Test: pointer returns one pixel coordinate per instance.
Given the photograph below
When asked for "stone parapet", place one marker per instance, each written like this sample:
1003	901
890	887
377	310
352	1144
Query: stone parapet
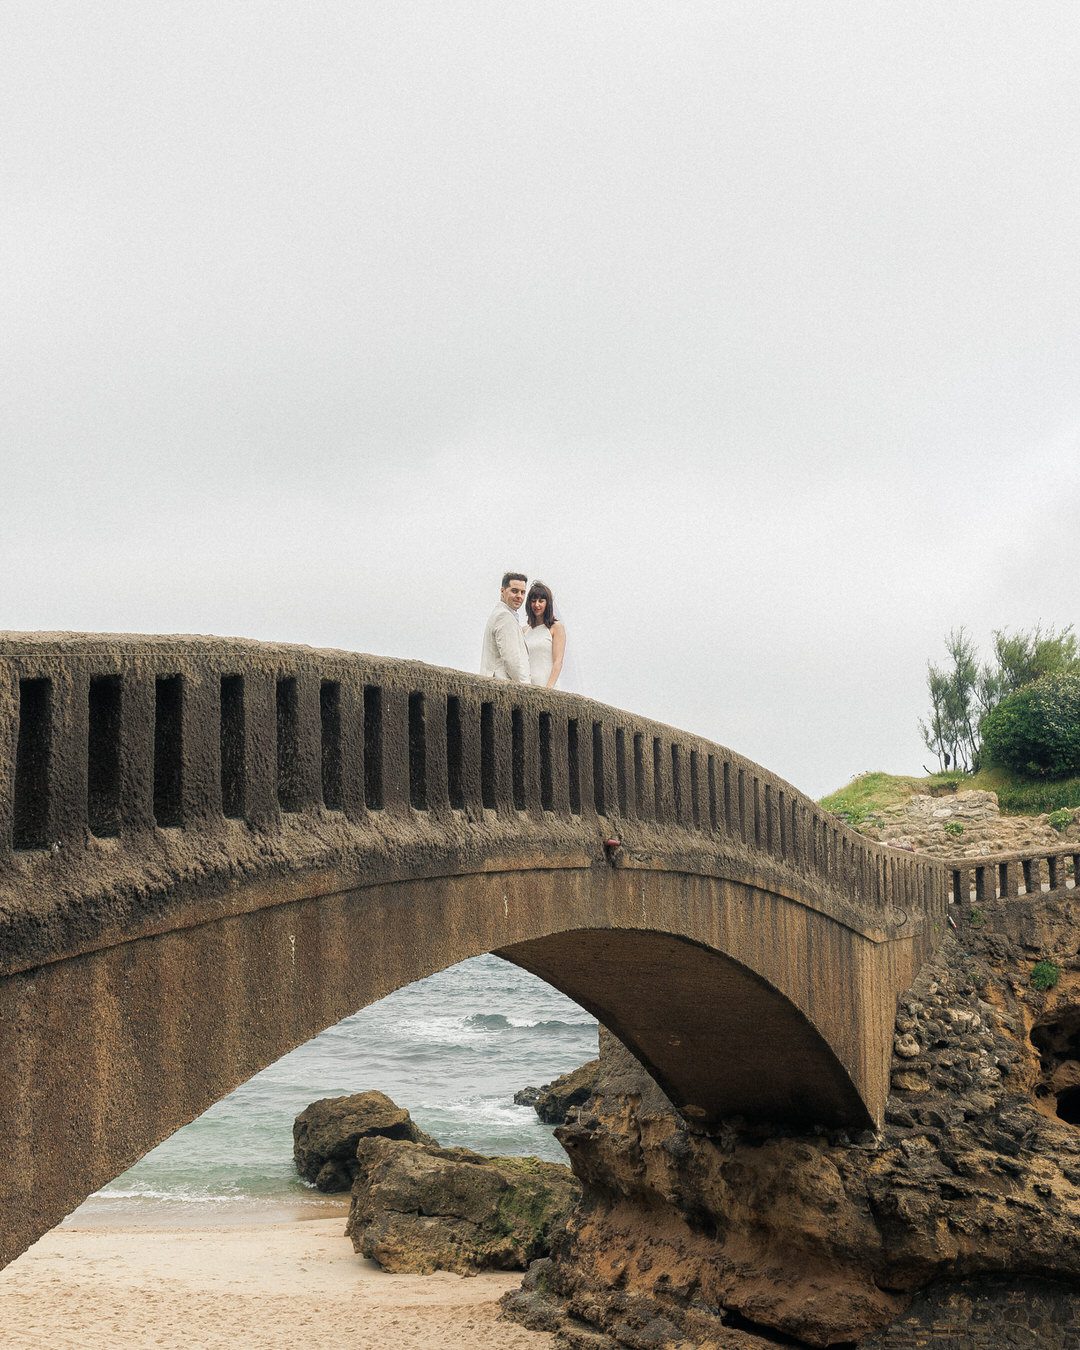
1002	876
136	764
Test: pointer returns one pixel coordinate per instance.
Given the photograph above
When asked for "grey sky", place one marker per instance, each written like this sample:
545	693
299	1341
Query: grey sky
753	329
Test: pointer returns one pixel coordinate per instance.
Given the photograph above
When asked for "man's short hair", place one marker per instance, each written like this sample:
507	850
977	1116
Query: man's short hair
508	577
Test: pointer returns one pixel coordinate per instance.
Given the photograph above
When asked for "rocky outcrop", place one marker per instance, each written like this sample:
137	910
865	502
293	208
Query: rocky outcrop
554	1100
964	824
958	1219
419	1207
326	1135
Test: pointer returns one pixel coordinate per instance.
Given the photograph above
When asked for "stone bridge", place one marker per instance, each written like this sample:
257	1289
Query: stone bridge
210	850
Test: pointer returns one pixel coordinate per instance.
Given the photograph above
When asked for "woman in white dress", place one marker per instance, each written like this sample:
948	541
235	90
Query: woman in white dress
545	637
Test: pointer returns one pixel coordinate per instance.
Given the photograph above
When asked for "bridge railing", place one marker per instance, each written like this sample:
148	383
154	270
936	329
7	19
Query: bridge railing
105	738
1009	875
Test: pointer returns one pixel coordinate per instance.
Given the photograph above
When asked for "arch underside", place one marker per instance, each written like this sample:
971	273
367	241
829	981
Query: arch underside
719	991
718	1038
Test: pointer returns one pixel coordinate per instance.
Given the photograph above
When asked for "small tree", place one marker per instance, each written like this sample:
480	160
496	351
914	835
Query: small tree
963	693
937	731
951	732
1022	658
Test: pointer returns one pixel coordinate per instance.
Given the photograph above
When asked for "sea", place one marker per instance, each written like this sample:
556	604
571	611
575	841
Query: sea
452	1049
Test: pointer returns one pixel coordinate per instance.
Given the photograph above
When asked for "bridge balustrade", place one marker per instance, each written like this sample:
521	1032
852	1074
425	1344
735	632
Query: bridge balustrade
121	738
1002	876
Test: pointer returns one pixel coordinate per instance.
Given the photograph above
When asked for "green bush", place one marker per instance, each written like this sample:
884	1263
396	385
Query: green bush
1059	820
1045	975
954	828
1036	730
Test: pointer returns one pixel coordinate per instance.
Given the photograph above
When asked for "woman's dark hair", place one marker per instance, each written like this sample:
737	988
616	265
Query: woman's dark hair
538	591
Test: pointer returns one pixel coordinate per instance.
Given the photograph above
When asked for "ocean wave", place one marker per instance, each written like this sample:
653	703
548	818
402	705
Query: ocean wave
500	1022
176	1194
489	1021
423	1032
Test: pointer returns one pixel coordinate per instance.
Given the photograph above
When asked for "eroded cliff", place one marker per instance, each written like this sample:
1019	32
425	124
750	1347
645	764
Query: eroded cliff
958	1225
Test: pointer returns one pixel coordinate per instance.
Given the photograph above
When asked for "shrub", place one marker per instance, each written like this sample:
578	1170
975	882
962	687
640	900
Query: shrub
1045	975
954	828
1059	820
1036	730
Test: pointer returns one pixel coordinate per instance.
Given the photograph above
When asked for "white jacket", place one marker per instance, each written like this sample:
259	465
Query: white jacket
505	655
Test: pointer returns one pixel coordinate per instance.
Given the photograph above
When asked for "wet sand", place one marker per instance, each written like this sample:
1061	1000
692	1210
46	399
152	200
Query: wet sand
262	1286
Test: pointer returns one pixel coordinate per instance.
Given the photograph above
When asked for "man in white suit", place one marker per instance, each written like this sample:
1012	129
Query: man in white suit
505	656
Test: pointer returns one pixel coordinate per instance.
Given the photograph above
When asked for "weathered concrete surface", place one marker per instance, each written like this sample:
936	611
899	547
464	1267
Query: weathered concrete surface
187	893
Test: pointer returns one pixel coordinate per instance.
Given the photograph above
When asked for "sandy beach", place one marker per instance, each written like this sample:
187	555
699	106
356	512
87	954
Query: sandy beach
295	1283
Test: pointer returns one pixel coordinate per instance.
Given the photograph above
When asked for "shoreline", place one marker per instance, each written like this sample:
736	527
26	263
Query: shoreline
163	1216
293	1282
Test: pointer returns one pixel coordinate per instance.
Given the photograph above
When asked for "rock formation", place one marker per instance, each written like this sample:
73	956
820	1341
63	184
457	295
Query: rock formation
419	1207
957	1226
326	1134
554	1100
963	824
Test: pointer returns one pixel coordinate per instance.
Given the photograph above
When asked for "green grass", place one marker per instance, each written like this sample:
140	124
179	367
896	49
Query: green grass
867	794
1029	796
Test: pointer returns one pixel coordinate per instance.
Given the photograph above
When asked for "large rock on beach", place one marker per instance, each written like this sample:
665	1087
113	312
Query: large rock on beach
554	1100
326	1135
420	1208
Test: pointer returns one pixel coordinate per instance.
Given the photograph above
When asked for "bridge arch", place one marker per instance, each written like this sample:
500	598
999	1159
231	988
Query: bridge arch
211	850
707	1027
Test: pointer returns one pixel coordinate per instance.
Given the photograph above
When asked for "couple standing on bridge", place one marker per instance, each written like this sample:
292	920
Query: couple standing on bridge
532	654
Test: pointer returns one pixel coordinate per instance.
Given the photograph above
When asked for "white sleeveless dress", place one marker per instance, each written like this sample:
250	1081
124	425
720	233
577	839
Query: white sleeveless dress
538	645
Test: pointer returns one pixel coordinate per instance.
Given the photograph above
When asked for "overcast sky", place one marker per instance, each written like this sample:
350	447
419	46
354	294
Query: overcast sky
752	329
